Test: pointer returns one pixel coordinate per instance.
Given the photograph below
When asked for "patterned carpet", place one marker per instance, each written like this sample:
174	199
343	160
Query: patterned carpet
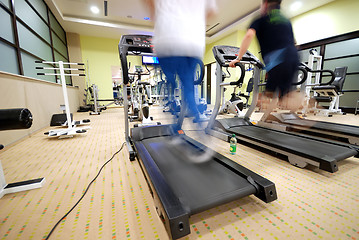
312	204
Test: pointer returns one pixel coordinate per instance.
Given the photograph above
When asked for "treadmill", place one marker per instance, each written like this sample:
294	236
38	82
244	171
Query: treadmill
181	188
300	150
292	122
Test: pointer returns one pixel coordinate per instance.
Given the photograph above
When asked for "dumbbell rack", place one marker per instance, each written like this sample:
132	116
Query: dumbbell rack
59	66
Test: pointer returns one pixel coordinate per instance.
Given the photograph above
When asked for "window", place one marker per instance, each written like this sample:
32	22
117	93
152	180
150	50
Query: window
6	30
28	63
30	32
30	17
10	64
339	51
5	2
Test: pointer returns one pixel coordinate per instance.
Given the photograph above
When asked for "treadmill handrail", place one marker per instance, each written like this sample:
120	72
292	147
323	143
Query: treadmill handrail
303	67
218	52
241	77
304	78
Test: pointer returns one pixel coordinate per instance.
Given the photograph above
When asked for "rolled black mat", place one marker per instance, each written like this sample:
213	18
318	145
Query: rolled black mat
16	118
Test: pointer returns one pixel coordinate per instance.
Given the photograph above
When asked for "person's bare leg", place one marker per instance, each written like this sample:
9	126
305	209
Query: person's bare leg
292	101
272	105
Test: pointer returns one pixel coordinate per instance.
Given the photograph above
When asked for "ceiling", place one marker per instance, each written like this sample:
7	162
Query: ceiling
127	16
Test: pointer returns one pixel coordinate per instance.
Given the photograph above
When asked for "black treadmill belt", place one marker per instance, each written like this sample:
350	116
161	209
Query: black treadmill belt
326	126
301	146
198	186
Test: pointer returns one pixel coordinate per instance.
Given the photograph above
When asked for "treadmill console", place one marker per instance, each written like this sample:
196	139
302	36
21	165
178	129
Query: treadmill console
135	45
225	54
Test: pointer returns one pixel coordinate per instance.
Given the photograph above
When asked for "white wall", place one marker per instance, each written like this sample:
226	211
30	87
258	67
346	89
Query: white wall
42	98
335	18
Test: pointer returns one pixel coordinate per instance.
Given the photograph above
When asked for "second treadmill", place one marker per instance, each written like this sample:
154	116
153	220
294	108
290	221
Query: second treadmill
340	132
300	150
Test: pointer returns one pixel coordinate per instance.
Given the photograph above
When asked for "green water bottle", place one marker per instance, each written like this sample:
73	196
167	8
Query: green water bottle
233	144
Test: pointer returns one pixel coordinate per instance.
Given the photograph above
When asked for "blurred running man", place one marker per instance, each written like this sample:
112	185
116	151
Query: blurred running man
275	36
179	42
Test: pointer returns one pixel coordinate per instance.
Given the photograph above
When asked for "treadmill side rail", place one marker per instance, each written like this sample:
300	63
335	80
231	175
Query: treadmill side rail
329	164
131	151
168	206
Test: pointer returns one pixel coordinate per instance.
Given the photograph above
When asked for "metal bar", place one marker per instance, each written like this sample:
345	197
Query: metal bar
16	37
59	74
66	99
125	107
218	96
256	79
63	63
66	69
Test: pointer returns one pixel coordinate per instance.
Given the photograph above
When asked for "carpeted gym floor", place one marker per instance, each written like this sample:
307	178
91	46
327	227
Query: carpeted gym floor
312	204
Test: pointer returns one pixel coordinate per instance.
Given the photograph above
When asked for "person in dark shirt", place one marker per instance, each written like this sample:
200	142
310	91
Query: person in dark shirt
275	36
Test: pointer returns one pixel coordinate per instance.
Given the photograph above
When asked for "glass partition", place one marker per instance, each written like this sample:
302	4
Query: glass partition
340	49
57	28
10	63
30	38
6	2
59	45
40	7
351	62
29	65
29	17
6	30
33	44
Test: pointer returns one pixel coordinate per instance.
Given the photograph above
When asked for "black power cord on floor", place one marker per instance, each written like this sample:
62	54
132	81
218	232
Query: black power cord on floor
52	230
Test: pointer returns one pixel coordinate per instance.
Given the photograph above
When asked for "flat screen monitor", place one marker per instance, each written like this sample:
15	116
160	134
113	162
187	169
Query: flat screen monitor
149	60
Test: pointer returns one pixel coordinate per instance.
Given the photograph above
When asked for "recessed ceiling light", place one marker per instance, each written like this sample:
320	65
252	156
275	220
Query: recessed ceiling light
95	9
296	6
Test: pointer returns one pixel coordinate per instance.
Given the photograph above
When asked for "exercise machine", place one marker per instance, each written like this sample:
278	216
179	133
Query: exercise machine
300	150
174	105
331	93
59	69
97	108
159	92
181	188
140	98
201	105
247	95
235	104
318	92
14	119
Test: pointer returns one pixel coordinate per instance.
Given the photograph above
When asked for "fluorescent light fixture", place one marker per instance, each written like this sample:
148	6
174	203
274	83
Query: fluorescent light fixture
296	6
95	9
